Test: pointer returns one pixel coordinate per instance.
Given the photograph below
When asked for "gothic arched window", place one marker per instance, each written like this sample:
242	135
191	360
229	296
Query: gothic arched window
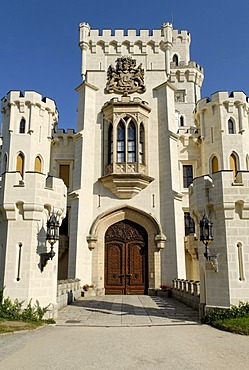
175	59
181	121
215	164
131	142
141	144
120	143
22	126
20	163
233	164
38	164
231	129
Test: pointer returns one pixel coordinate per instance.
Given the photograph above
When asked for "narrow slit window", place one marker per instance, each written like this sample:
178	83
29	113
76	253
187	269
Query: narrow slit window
240	262
231	127
22	126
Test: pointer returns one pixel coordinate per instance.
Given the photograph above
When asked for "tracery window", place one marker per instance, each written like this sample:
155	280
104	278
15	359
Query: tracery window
110	144
141	144
131	142
120	143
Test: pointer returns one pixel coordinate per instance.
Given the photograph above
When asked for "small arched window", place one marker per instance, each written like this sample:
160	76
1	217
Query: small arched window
131	142
121	143
38	164
175	59
141	144
181	121
22	126
215	164
110	144
231	129
20	163
233	164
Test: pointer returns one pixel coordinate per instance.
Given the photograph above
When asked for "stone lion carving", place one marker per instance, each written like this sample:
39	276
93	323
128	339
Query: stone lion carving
125	78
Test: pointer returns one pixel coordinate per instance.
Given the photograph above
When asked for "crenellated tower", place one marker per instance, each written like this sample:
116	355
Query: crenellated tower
28	197
223	129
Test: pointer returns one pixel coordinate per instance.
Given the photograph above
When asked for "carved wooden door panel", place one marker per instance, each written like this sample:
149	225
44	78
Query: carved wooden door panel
126	259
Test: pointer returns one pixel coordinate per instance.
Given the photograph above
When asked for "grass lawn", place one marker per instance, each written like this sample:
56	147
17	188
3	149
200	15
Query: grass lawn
239	325
7	326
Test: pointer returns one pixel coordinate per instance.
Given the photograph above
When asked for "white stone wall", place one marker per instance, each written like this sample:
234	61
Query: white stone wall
226	203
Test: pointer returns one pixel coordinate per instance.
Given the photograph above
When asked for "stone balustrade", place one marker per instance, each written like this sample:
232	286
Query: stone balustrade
67	291
187	291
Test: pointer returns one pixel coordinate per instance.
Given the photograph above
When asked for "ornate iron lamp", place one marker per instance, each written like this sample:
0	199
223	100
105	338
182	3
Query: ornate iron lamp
206	236
52	237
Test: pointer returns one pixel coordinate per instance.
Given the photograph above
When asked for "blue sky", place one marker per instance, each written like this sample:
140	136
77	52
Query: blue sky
39	42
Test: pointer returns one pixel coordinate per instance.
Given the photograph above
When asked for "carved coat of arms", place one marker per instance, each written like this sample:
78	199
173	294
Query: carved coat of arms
125	78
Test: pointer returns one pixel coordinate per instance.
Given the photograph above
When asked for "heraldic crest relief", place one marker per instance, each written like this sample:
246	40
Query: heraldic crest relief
125	78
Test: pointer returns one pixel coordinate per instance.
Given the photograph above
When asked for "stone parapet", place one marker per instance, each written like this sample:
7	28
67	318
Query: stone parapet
187	291
67	292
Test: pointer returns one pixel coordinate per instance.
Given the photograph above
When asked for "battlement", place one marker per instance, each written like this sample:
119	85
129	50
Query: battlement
16	97
224	193
183	65
223	97
127	100
61	132
144	35
33	193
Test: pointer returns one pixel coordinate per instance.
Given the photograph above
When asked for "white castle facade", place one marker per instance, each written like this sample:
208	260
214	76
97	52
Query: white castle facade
130	186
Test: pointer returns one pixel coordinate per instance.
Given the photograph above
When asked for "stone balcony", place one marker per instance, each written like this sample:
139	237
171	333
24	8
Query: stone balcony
125	180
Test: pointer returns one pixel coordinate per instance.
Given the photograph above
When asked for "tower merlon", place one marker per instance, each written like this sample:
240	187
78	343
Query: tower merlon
87	35
221	97
15	97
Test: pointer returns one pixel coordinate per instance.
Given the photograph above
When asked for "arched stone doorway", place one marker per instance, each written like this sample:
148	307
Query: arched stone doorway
155	243
126	259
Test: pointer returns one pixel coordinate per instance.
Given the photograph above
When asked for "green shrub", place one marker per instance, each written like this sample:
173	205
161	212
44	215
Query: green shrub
242	310
13	310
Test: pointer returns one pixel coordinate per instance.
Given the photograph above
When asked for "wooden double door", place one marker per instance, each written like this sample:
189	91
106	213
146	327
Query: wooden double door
126	259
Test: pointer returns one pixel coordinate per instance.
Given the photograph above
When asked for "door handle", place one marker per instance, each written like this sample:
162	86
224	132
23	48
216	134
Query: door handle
129	275
122	275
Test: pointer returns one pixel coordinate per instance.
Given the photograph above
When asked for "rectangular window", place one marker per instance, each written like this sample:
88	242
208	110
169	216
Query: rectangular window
187	175
64	173
120	157
131	157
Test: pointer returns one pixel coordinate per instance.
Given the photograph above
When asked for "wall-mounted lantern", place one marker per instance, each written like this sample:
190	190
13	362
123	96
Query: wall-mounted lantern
52	237
206	236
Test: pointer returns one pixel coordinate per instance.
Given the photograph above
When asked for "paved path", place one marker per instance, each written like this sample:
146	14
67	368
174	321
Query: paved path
125	333
126	311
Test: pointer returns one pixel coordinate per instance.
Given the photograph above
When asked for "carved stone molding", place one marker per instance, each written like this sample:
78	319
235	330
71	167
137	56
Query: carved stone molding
125	78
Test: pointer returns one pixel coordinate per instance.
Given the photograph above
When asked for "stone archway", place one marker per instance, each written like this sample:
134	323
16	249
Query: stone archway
126	259
96	243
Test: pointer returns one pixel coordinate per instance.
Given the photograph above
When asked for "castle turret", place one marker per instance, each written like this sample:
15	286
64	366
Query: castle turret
28	197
